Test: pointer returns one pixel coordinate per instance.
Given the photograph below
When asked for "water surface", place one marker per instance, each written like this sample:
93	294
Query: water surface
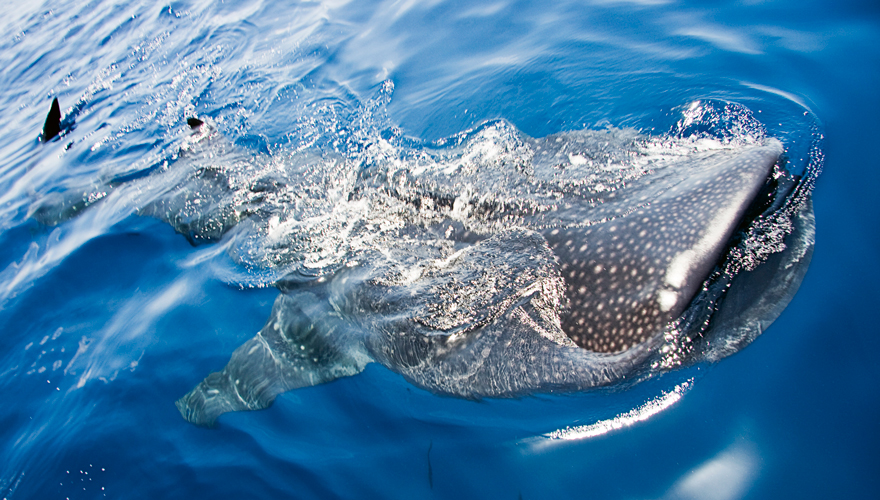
109	317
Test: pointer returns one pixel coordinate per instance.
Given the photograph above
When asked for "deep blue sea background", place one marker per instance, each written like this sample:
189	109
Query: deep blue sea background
106	321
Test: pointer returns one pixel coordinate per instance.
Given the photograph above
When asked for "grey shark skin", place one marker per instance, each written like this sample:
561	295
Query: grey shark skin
544	303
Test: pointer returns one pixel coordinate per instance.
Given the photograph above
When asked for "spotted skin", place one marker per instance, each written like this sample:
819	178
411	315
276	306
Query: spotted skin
628	277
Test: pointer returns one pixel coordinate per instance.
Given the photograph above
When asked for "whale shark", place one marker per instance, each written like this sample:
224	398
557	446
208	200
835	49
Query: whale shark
490	263
522	277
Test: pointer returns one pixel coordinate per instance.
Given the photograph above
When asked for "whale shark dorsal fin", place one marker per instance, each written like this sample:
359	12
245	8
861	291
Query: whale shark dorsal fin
194	122
52	127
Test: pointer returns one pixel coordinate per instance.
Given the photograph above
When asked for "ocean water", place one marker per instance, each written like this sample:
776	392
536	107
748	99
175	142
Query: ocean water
108	317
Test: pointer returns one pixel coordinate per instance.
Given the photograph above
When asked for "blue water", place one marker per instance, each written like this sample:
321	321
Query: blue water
107	318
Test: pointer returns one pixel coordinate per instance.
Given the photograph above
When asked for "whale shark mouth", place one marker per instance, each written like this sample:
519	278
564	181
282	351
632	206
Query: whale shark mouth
488	264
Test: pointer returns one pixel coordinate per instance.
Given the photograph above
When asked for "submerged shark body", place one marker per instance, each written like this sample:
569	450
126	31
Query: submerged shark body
490	264
491	296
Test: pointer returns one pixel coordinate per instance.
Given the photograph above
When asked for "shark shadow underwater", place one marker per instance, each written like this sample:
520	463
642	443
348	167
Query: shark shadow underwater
490	263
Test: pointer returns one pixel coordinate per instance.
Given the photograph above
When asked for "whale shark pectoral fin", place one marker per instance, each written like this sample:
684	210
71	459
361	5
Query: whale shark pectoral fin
628	277
52	126
301	345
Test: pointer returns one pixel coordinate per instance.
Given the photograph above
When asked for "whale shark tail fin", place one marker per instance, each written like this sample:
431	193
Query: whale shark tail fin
52	126
302	344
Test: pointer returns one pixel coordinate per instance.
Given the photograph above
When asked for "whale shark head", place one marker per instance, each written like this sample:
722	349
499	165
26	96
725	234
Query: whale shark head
627	277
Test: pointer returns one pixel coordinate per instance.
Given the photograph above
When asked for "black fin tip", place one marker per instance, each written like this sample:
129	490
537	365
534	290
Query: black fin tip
52	127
